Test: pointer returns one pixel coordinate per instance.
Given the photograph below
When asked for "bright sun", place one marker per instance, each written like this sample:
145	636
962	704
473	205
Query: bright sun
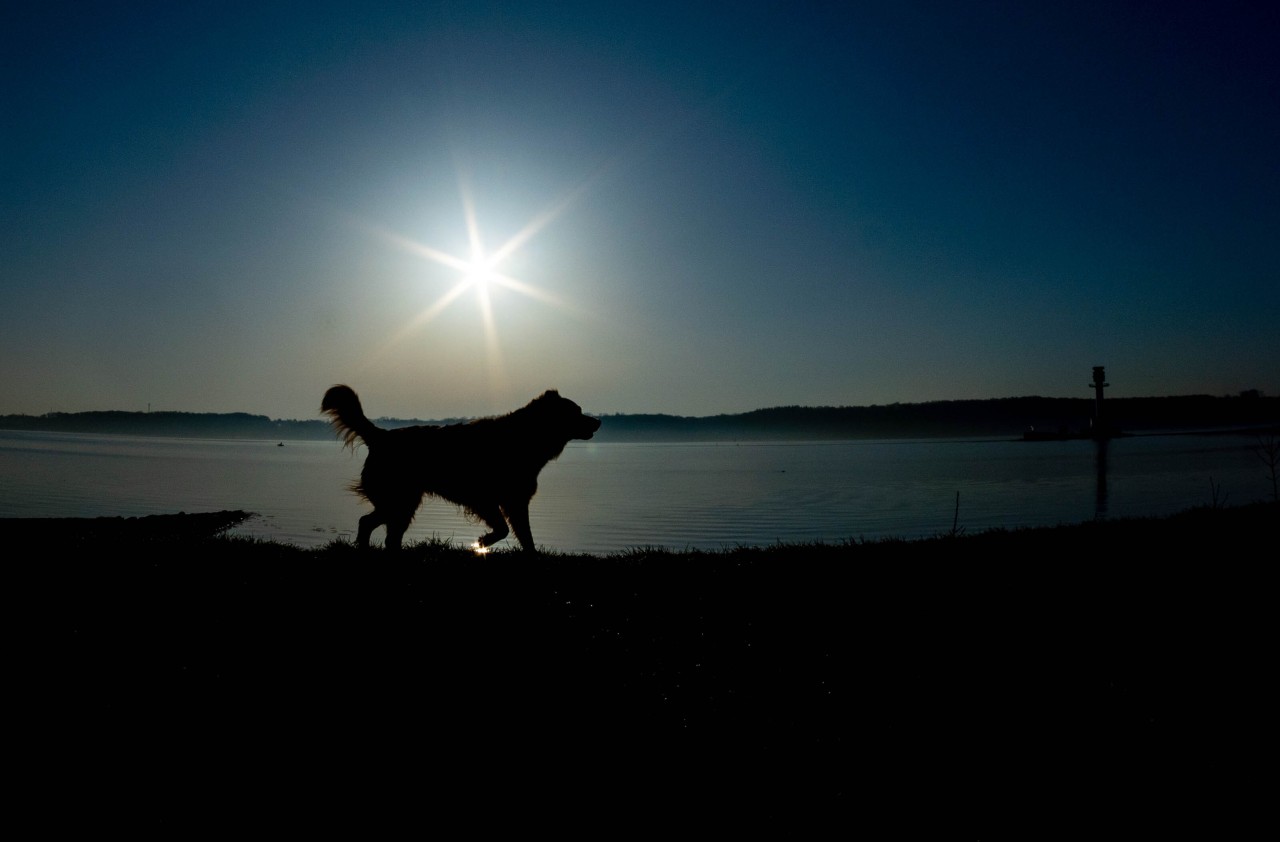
481	274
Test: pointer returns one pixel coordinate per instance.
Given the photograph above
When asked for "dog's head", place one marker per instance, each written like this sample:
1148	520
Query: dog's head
563	416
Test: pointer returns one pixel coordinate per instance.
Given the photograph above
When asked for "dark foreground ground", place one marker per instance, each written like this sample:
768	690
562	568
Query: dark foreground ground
1033	679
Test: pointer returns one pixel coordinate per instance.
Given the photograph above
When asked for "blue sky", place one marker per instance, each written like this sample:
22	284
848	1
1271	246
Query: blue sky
694	208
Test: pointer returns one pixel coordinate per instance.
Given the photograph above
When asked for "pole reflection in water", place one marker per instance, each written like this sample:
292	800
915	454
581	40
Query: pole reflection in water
1100	492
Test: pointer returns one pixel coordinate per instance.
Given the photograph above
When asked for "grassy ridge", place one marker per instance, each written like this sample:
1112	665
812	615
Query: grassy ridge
1124	657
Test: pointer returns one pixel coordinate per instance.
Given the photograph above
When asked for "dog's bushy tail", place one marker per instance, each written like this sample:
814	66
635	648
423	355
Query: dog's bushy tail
347	416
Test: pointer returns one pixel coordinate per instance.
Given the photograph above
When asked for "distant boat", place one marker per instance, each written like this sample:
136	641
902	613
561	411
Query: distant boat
281	444
1032	434
1063	434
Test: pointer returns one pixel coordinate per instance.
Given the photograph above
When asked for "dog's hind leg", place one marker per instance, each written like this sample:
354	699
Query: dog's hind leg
492	517
368	523
398	519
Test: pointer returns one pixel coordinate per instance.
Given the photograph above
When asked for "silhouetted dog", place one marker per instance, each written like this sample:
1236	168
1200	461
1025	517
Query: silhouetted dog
489	466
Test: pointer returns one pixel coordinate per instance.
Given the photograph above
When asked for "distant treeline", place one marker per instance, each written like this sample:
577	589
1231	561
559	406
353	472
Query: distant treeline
994	417
213	425
230	425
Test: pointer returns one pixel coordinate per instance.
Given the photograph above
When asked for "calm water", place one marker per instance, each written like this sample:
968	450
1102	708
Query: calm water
606	497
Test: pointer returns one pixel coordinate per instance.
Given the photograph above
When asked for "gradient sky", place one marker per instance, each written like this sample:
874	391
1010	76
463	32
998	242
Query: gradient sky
699	207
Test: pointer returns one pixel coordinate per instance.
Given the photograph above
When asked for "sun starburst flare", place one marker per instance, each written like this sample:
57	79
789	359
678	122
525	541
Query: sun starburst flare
480	273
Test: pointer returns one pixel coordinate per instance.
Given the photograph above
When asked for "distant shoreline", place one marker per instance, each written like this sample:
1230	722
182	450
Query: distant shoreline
997	417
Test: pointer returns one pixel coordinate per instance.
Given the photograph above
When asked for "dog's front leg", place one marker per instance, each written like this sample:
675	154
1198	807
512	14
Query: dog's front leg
395	533
492	518
368	523
518	516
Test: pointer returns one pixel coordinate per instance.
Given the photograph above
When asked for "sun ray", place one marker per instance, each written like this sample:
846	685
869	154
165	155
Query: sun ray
532	291
414	247
474	239
540	220
436	309
497	371
417	321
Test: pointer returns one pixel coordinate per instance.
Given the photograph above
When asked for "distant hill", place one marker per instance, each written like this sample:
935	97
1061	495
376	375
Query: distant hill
935	419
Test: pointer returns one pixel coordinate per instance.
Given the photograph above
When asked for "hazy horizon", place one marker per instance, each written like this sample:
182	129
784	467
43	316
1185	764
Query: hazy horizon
687	209
1087	399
